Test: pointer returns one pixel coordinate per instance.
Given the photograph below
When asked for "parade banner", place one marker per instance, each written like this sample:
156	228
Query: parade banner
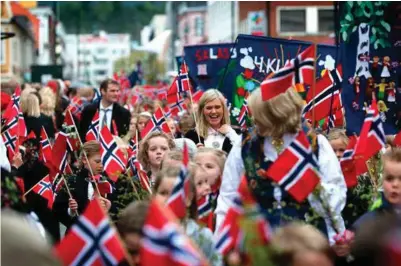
207	62
238	69
370	35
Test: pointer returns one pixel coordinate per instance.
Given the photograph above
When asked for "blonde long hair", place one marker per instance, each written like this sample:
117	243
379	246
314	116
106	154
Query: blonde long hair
208	96
30	104
277	116
48	101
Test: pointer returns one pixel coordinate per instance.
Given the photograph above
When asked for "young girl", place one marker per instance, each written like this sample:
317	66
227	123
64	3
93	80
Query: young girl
81	187
212	161
300	245
357	202
152	150
143	118
162	190
131	134
278	122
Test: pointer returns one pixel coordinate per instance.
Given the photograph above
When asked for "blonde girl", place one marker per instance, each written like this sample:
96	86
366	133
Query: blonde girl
143	118
131	134
162	190
152	150
278	122
338	141
212	161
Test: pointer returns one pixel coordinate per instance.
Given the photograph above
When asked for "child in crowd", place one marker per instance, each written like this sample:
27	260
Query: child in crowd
300	245
152	150
81	186
172	127
390	142
358	199
162	190
130	224
143	118
212	161
172	158
186	123
391	199
131	134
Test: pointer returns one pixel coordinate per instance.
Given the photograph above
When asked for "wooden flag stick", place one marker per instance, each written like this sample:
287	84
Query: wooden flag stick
194	115
314	86
86	156
165	118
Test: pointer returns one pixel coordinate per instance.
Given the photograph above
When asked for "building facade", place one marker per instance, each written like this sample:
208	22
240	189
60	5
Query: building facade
301	20
93	55
17	53
47	35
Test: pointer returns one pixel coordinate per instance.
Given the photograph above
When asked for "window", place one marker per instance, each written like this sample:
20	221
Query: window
199	26
326	20
292	20
100	72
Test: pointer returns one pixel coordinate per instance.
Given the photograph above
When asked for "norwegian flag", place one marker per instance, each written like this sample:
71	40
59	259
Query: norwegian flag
60	152
163	243
326	96
350	167
157	122
181	82
296	168
133	146
76	106
205	211
91	240
72	131
178	196
397	140
243	114
105	187
298	70
13	107
140	174
44	188
93	130
335	120
113	158
45	147
372	138
13	131
196	96
176	106
230	234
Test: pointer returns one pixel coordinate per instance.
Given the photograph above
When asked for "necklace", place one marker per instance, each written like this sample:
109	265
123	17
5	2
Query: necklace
278	145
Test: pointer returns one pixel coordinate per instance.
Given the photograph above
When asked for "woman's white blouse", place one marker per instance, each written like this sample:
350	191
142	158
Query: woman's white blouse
333	184
215	139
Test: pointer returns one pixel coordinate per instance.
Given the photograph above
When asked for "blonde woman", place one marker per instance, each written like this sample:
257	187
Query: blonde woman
213	128
278	121
34	119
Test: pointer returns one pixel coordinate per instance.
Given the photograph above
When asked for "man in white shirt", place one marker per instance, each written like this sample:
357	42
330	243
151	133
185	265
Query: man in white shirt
111	114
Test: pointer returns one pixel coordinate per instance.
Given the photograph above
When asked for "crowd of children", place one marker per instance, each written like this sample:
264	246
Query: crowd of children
360	225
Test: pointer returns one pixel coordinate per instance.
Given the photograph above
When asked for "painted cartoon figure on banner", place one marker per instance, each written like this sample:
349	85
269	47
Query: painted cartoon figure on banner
374	70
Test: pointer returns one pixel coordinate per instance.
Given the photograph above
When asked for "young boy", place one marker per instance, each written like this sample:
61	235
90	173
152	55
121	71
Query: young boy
391	199
391	187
